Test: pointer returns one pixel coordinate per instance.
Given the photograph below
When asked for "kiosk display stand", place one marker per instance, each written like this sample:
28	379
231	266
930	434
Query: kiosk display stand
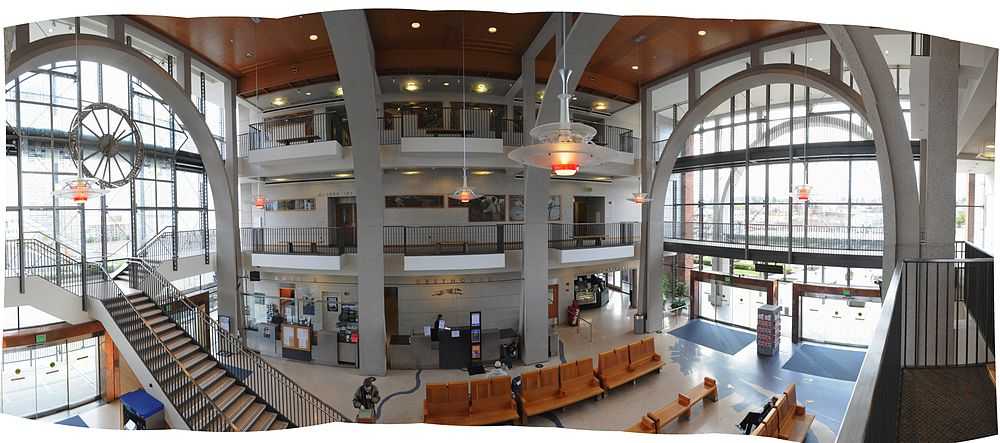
476	336
768	329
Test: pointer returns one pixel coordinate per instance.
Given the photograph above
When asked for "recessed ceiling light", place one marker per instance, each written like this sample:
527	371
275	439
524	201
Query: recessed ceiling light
313	37
415	25
343	175
248	54
279	101
309	93
481	88
602	178
886	51
410	172
702	32
484	172
339	91
281	179
635	67
411	86
492	30
600	106
446	84
540	94
574	98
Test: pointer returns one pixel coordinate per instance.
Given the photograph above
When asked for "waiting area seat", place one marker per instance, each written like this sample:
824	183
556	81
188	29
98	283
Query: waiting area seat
788	420
491	402
654	421
627	363
554	388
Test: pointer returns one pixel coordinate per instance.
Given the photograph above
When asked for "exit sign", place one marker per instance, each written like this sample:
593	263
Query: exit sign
39	339
845	292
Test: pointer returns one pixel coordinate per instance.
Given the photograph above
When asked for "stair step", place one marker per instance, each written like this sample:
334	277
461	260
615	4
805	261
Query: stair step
210	377
177	342
192	360
279	425
219	387
143	306
227	398
249	416
155	320
185	350
237	406
201	368
149	311
263	422
163	327
166	337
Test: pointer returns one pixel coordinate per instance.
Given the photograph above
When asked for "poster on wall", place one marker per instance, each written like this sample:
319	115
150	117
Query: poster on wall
331	304
516	203
555	208
488	208
300	204
414	201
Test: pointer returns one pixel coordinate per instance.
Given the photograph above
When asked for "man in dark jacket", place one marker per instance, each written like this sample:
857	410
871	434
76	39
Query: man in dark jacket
753	419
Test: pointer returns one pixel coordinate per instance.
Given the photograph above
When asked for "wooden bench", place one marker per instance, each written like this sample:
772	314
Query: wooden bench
654	421
787	420
554	388
491	402
302	139
447	403
642	357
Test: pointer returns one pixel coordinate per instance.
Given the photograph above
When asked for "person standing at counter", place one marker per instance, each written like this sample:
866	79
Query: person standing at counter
438	325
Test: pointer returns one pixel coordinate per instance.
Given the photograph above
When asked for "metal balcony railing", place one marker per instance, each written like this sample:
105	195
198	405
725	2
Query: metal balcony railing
295	130
331	241
593	235
452	240
860	240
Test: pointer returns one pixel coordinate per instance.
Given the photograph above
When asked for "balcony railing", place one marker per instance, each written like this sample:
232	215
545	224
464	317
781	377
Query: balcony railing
936	313
295	130
436	122
329	241
859	240
452	240
593	235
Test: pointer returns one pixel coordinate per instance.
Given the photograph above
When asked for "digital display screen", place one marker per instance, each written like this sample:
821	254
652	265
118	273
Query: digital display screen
476	352
474	319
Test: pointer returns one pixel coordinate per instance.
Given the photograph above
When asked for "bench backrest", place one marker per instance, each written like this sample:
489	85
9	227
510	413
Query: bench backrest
641	351
768	427
491	394
447	399
576	375
613	361
786	404
540	384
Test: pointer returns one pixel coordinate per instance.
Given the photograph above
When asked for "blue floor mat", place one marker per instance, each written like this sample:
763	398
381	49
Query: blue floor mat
713	336
73	421
822	361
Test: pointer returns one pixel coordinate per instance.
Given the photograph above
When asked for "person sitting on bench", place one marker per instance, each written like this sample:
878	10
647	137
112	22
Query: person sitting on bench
753	419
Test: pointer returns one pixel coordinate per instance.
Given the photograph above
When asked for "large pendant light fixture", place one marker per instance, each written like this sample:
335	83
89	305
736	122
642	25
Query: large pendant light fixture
79	189
464	193
259	202
802	192
639	198
563	146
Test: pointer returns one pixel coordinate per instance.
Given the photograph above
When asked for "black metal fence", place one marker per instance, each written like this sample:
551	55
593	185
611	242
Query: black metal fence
861	240
592	235
331	241
452	240
295	130
615	138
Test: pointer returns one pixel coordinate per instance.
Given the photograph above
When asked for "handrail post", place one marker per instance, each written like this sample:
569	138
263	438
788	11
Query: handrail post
500	240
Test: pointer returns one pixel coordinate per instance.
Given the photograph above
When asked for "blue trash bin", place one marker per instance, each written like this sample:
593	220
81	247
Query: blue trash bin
143	410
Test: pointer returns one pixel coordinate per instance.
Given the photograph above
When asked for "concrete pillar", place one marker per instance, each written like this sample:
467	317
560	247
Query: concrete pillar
650	303
351	40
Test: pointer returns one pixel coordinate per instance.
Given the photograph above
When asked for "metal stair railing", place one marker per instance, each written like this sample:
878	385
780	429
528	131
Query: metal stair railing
44	261
189	398
297	405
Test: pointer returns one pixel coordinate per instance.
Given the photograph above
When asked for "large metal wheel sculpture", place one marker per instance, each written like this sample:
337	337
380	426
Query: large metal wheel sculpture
106	144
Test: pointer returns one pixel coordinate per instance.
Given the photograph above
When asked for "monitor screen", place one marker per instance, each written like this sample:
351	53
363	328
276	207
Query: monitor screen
474	319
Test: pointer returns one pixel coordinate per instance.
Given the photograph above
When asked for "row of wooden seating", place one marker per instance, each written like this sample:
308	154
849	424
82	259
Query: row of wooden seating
653	422
491	402
787	420
548	389
627	363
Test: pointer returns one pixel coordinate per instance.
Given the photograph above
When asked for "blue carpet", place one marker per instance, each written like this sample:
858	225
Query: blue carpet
713	336
822	361
238	372
73	421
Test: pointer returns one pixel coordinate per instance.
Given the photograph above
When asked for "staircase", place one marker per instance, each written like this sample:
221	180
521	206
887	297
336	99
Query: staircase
210	380
204	393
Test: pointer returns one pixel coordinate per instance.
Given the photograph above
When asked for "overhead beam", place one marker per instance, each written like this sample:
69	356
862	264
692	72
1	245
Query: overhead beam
982	100
584	37
351	40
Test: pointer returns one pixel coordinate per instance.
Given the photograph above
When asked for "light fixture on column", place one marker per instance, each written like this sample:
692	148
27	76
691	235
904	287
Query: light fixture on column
640	198
989	152
464	193
563	146
260	202
802	192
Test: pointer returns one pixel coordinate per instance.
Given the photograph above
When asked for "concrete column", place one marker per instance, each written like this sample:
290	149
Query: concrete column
651	302
351	40
231	304
939	160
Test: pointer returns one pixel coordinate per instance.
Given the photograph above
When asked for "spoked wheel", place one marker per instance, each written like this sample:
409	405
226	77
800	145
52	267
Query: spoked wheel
106	144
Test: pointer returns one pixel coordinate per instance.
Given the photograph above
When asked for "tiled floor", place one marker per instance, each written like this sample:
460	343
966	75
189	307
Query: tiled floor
98	415
746	381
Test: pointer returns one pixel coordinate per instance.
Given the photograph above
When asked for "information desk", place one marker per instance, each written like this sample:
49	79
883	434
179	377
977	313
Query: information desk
451	351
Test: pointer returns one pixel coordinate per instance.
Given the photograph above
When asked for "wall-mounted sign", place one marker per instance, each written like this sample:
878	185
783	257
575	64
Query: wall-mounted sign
224	322
332	304
39	339
449	291
768	268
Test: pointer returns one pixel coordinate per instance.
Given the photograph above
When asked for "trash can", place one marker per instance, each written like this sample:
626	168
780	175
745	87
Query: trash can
639	324
141	411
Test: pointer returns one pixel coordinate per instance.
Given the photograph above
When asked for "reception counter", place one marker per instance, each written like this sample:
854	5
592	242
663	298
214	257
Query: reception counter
451	351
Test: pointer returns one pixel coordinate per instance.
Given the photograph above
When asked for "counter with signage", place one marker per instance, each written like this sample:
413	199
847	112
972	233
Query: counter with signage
455	348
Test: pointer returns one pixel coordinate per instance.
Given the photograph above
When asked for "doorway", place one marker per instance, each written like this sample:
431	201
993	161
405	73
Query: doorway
342	213
588	214
554	301
391	308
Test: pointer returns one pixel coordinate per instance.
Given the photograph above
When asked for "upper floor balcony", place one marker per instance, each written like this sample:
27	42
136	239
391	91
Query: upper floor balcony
409	138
